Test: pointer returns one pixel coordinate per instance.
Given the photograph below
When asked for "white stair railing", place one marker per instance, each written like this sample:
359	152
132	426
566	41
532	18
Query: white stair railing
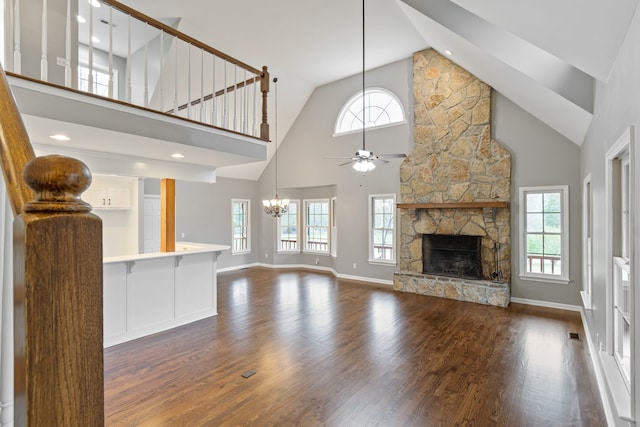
116	52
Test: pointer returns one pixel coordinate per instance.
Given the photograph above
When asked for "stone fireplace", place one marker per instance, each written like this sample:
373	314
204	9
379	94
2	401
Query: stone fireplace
455	182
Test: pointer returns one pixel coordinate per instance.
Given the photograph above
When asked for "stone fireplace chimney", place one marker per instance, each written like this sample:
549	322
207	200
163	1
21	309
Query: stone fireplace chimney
456	181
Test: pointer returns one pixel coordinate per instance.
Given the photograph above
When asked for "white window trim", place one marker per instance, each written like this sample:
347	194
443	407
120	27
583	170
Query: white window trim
349	102
304	228
623	397
539	277
248	249
279	248
373	260
587	243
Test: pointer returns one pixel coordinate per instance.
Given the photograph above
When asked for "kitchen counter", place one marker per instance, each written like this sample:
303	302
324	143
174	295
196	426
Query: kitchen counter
149	293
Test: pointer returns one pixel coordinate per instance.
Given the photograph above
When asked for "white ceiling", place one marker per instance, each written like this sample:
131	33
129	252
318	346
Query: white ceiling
544	55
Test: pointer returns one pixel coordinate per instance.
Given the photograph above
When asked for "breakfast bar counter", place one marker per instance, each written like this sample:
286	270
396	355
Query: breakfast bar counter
153	292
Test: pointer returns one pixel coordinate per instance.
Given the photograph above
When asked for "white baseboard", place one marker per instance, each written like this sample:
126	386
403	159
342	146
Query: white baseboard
547	304
309	267
598	369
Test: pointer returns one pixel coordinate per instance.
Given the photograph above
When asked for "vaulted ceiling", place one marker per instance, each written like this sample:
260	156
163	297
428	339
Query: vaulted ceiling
545	55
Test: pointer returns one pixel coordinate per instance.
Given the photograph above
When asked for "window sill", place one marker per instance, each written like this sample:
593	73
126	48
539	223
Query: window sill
546	279
288	252
617	388
382	262
586	300
241	252
316	253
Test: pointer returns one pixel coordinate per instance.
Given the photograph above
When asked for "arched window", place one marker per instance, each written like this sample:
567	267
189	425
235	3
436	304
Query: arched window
381	108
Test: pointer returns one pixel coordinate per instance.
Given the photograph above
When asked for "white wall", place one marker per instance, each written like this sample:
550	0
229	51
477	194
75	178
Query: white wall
617	106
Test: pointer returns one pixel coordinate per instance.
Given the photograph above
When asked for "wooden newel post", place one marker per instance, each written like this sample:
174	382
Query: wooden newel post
264	88
59	378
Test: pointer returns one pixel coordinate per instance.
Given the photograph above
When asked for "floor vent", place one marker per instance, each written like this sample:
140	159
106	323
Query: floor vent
574	336
248	373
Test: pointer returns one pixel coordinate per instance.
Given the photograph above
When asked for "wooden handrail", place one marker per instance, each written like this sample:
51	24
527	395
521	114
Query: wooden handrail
218	93
172	31
15	148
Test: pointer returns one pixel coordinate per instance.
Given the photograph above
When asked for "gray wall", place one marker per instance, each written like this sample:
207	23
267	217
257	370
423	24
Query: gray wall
617	106
203	214
540	157
302	164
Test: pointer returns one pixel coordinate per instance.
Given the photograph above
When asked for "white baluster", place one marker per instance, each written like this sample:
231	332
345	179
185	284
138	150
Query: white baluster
189	80
214	99
245	102
44	66
175	82
225	122
67	49
235	97
6	312
202	115
161	79
146	66
255	109
110	90
129	88
90	77
17	55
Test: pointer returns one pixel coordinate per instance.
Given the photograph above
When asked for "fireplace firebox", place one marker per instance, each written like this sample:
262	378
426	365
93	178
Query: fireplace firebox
449	255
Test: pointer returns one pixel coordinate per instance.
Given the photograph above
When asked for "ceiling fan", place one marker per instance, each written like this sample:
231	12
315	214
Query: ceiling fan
364	160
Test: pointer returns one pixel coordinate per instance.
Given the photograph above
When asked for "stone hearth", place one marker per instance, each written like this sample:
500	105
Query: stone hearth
454	161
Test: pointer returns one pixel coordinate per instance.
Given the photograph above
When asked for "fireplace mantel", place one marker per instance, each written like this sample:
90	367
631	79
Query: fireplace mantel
456	205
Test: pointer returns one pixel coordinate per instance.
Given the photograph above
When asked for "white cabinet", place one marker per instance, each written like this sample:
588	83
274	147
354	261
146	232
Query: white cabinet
108	192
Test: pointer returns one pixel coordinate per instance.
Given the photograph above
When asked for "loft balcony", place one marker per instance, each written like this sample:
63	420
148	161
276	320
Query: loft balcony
130	91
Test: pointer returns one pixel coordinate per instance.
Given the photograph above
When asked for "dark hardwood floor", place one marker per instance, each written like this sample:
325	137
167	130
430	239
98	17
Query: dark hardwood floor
335	352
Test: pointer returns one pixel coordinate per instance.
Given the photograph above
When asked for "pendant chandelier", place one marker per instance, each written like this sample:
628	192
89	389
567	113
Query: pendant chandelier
276	207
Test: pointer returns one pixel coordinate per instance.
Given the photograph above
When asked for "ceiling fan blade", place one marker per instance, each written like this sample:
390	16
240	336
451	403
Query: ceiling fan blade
381	160
338	158
346	163
393	156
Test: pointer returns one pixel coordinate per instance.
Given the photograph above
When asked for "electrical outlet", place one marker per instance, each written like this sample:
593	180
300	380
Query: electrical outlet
182	235
317	261
266	255
61	62
355	265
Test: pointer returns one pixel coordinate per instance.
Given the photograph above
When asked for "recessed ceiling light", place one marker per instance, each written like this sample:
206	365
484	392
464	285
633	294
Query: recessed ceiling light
60	137
177	156
448	52
95	39
81	19
94	3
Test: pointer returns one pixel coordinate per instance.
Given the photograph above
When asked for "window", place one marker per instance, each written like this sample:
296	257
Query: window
619	361
240	227
382	220
100	81
544	222
334	229
380	108
316	226
288	230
